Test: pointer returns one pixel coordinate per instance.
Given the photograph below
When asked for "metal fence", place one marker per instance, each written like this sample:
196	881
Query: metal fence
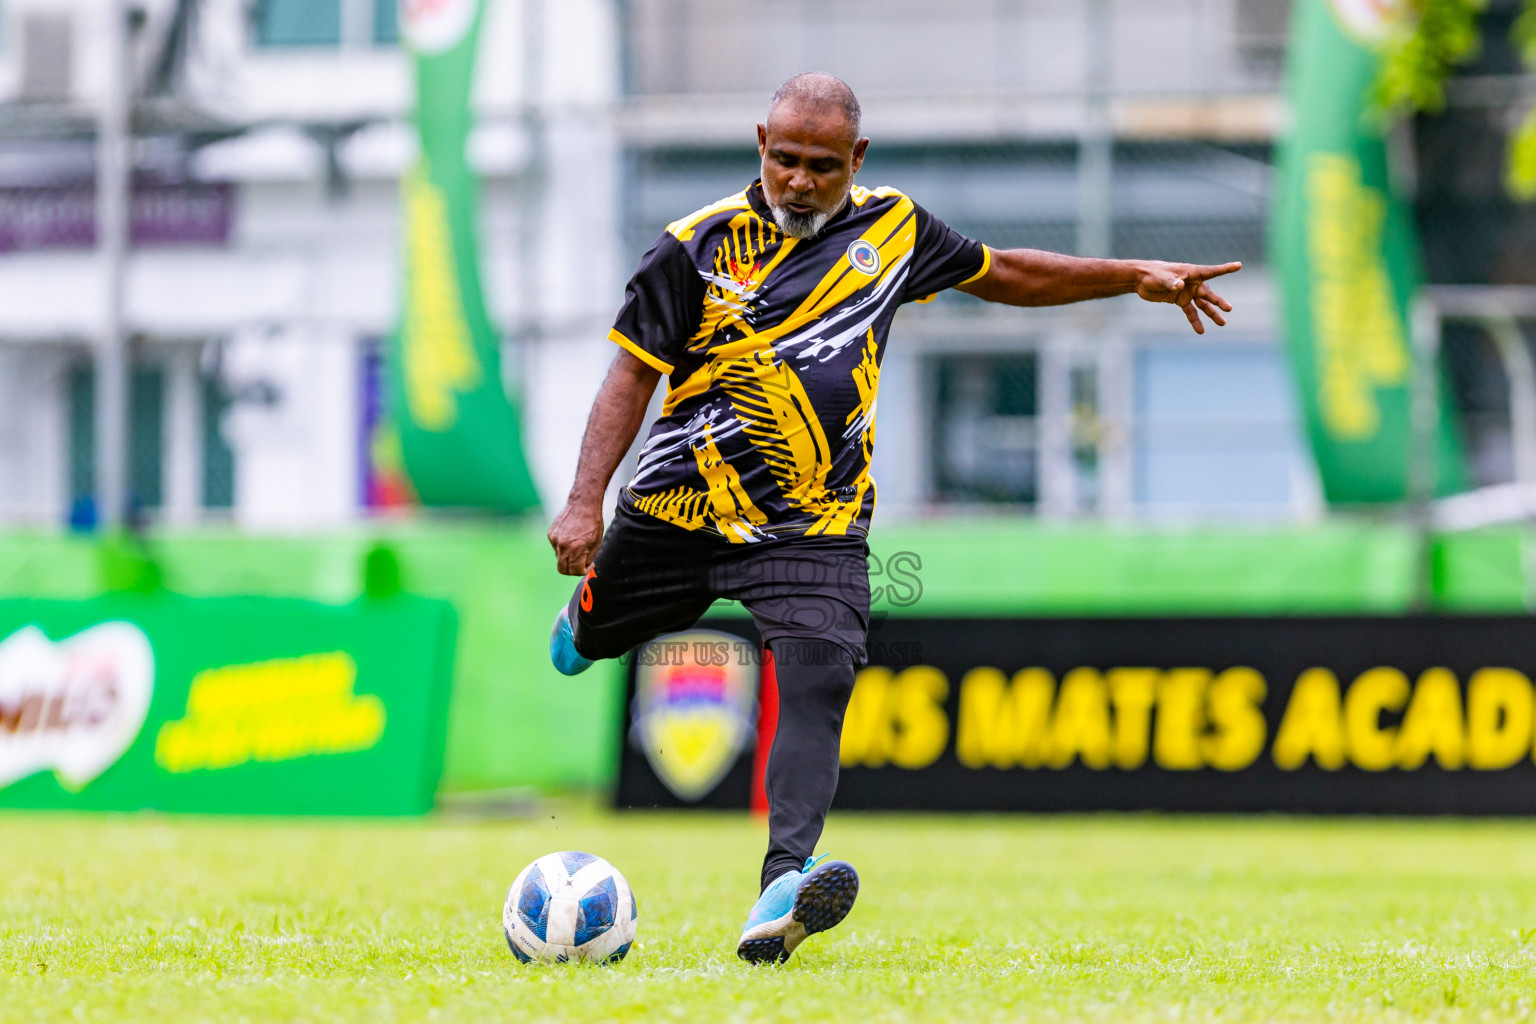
1008	46
1177	200
1479	256
1078	412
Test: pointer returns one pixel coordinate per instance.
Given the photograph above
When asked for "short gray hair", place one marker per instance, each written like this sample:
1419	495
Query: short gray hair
819	89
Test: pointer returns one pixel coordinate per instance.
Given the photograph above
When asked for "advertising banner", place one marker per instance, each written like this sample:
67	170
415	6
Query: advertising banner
63	216
1382	715
239	705
1347	255
459	434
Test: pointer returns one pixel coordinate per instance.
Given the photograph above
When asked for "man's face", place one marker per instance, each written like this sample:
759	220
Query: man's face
809	160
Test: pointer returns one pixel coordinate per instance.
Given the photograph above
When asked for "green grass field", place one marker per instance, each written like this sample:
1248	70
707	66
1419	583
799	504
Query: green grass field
965	919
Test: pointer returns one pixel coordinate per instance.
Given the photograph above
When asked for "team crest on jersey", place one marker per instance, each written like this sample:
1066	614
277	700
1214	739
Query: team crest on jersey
744	274
864	257
695	702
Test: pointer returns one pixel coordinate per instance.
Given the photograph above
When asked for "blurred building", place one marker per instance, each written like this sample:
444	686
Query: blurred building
271	136
270	140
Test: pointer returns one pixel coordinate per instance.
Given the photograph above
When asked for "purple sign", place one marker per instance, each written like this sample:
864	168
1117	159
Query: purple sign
64	216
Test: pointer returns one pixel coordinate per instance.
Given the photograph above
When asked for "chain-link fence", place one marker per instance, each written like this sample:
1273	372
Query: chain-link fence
959	47
1123	413
1479	249
1176	200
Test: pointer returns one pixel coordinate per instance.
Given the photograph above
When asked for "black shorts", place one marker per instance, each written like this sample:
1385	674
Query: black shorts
651	577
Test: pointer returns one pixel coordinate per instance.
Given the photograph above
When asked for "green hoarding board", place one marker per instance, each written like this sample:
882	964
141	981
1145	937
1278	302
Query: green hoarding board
515	721
241	705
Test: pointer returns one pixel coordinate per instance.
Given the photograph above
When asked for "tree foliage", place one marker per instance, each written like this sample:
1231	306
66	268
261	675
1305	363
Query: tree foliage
1434	36
1522	146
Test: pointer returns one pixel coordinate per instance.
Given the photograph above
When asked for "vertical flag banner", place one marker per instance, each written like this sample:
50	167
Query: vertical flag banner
460	435
1345	249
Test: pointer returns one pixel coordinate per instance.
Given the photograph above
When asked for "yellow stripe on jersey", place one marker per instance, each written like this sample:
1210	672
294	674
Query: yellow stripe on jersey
776	413
894	235
682	229
866	378
680	506
837	516
726	503
733	509
986	265
640	353
861	195
841	281
736	258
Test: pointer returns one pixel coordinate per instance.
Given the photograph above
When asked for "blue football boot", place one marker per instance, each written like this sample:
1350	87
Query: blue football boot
797	904
562	647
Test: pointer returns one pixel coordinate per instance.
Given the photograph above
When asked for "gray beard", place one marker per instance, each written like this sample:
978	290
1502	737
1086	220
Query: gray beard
799	225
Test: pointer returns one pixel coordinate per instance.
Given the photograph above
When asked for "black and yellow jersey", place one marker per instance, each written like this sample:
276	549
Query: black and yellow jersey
772	346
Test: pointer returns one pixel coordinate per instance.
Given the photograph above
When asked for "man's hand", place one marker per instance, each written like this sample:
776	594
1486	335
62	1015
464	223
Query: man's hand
575	535
616	415
1184	285
1032	277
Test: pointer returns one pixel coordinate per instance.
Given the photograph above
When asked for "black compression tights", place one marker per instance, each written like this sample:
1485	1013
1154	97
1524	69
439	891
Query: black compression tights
815	680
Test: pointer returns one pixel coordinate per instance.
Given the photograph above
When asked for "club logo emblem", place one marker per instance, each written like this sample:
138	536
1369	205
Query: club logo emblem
864	257
695	704
75	706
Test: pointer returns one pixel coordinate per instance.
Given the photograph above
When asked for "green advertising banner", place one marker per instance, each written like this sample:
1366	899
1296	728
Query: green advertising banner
1347	255
224	705
460	435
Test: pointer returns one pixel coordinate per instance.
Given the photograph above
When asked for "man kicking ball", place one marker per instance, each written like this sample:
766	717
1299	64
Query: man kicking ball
768	312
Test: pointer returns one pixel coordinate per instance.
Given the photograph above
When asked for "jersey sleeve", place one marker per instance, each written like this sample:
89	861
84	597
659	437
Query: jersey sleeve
662	306
942	258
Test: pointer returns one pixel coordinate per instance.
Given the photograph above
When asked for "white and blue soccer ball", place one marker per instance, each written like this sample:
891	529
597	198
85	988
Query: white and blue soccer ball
570	906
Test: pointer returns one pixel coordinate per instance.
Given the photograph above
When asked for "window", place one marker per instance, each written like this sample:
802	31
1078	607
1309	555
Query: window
298	22
327	23
386	22
146	441
1216	429
985	443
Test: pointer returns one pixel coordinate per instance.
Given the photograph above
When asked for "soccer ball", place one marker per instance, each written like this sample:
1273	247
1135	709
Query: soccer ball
570	906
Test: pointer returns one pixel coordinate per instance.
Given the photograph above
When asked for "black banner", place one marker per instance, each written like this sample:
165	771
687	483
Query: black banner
1383	715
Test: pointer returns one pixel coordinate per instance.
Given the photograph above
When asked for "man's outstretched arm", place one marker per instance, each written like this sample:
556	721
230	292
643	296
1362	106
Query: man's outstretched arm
1030	277
617	415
